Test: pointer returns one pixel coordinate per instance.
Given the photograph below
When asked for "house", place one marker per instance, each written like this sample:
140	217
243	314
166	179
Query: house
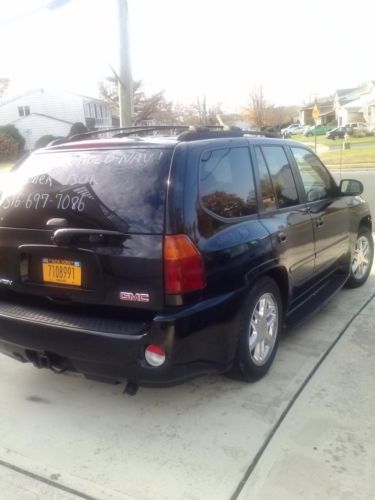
326	111
368	107
42	111
348	105
355	104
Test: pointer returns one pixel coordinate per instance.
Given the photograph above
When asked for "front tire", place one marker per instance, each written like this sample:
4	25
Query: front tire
260	327
363	257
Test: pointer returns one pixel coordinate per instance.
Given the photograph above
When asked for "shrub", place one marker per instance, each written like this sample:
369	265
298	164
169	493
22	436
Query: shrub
43	141
77	128
360	132
8	148
13	132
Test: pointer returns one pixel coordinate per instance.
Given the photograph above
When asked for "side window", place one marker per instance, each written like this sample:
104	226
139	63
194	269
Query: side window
267	192
226	182
281	175
315	177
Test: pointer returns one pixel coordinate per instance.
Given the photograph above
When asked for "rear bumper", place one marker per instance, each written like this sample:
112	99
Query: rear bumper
198	339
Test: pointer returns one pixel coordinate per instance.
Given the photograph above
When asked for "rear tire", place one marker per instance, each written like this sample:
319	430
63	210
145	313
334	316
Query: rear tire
260	327
363	257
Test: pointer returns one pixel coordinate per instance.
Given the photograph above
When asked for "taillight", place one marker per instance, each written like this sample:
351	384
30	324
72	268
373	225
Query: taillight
183	265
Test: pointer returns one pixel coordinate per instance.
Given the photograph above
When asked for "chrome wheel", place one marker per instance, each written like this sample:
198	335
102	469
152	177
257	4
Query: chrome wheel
361	259
263	328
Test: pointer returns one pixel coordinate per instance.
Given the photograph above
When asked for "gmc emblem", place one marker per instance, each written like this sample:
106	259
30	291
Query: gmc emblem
134	297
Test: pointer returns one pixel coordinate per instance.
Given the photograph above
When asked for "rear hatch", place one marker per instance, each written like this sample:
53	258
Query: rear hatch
86	226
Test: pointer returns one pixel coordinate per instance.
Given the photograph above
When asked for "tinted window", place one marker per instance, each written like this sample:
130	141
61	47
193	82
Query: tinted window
267	192
226	182
315	178
114	189
281	174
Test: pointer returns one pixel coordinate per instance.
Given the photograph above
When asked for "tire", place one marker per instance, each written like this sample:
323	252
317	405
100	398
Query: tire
257	349
361	264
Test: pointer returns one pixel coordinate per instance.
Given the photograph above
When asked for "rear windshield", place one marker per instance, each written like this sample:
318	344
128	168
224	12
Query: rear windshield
121	189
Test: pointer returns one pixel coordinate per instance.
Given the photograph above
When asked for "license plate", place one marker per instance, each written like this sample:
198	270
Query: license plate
62	272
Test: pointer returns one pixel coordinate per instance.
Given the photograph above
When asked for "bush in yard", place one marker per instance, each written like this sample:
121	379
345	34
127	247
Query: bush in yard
13	132
43	141
78	128
8	148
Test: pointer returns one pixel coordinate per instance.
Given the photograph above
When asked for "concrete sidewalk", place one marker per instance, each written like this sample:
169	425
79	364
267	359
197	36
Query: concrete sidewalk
325	446
64	437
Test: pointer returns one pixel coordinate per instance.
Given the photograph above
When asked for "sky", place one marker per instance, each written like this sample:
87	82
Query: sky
219	48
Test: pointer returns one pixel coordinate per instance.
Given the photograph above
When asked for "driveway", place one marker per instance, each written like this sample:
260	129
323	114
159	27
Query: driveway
73	438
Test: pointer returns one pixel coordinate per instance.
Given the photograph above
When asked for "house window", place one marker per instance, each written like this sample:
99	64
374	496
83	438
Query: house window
23	110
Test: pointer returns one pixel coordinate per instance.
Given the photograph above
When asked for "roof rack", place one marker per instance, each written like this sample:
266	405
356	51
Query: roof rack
141	130
125	131
188	133
204	133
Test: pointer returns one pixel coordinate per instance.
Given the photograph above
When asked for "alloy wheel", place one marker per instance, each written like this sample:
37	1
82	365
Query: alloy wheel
263	328
361	258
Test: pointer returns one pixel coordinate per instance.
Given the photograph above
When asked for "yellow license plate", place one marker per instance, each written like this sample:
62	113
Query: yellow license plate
62	272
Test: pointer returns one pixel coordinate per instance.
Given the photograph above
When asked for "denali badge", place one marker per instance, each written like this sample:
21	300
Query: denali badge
135	297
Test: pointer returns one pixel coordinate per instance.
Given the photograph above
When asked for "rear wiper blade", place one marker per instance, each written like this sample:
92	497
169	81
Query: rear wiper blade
64	236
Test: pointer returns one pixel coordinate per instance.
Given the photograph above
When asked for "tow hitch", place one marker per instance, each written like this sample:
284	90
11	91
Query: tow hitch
47	360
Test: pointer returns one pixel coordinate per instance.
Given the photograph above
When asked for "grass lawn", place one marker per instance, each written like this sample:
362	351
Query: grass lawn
4	167
322	139
350	156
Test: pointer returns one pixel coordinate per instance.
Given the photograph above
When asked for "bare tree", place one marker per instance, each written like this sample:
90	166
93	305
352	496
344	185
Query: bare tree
258	107
154	107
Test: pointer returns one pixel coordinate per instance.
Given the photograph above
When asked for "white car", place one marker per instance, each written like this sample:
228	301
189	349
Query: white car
291	129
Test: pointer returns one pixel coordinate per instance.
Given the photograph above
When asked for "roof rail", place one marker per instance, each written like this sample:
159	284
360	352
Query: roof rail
164	127
124	131
204	133
188	132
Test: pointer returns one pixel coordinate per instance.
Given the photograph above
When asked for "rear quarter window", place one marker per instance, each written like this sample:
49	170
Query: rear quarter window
226	182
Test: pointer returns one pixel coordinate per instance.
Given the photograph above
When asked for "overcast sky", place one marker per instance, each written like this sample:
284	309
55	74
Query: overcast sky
188	48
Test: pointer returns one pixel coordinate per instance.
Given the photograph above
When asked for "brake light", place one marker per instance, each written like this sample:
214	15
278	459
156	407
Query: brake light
183	265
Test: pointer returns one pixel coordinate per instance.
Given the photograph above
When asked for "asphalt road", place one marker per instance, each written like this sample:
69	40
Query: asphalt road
367	177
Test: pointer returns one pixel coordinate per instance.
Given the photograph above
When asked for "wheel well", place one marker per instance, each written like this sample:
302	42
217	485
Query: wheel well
366	222
280	275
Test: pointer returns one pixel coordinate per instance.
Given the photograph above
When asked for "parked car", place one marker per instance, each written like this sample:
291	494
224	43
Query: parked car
318	130
157	259
290	130
336	132
356	125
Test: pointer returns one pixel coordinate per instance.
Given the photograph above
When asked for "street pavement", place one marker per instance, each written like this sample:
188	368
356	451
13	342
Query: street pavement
325	447
64	437
366	176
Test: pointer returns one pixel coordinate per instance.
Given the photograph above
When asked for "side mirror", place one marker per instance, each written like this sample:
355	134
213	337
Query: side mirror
351	187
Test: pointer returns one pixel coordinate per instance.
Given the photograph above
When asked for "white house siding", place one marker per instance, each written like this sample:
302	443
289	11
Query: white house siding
61	105
33	127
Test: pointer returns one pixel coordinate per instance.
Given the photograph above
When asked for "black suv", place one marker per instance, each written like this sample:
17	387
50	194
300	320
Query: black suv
155	259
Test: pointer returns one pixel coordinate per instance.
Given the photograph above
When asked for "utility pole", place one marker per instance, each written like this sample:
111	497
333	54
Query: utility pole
125	82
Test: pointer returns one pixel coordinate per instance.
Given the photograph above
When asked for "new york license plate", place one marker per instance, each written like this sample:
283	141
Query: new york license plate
62	272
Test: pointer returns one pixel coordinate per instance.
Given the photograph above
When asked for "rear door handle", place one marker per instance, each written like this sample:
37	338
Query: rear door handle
282	237
319	222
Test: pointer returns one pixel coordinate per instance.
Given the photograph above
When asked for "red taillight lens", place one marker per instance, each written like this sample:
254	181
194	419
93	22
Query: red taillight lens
155	355
183	265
